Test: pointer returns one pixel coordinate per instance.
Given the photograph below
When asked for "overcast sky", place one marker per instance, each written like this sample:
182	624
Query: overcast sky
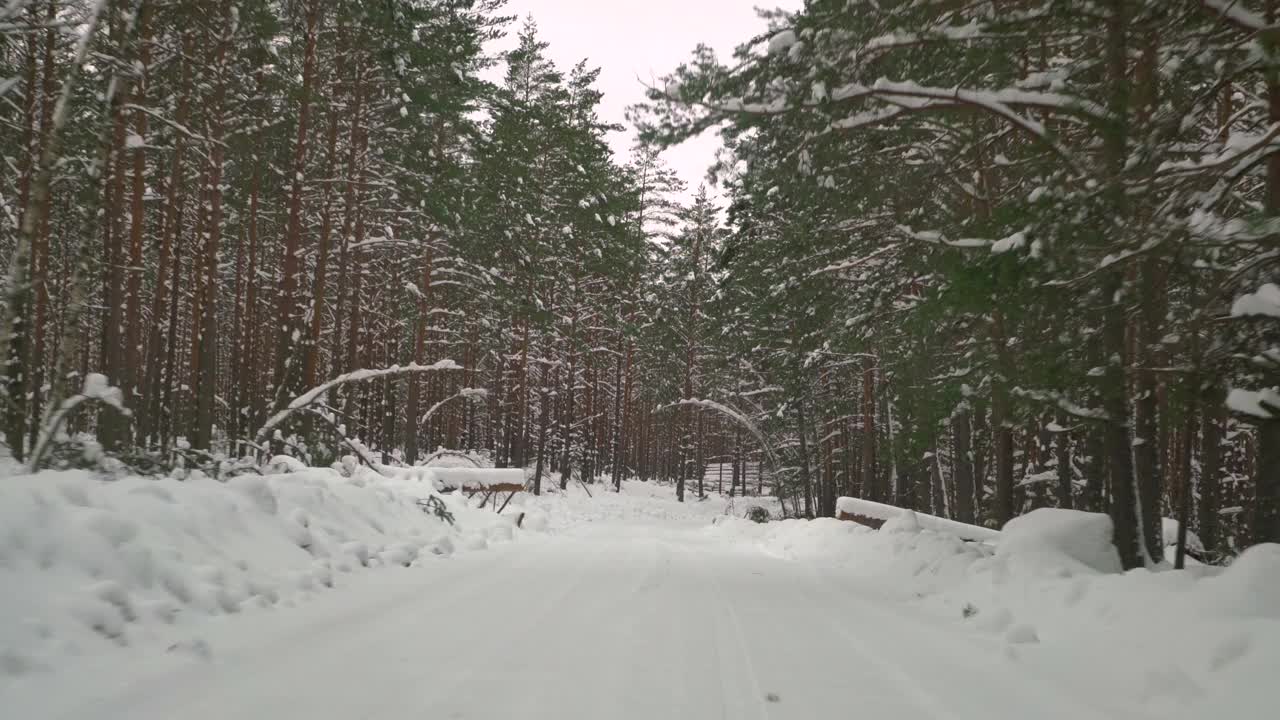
635	40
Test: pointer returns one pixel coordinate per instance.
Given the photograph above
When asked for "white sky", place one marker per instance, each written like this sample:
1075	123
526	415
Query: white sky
640	40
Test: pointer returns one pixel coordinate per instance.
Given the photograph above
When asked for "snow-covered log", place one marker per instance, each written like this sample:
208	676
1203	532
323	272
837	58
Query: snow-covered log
876	514
478	478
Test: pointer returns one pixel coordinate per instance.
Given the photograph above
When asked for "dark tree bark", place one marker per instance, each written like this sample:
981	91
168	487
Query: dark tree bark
130	377
963	463
1062	455
1214	415
870	482
287	376
1001	424
209	335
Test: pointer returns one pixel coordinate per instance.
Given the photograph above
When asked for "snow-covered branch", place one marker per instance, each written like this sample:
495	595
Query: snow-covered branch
311	396
473	394
733	415
1232	12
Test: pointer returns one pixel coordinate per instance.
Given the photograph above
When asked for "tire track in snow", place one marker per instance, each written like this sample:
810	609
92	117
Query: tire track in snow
728	624
478	662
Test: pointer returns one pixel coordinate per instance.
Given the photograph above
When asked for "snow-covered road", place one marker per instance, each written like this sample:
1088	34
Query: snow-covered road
611	619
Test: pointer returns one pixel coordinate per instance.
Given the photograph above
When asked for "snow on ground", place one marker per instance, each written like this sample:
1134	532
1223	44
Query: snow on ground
1171	644
157	599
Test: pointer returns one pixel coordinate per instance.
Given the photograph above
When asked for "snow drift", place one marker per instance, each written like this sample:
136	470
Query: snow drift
86	562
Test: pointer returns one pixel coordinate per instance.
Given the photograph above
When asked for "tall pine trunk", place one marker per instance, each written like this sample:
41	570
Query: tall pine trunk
287	375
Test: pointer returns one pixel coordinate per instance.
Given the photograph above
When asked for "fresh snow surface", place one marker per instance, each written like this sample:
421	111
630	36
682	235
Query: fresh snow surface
618	605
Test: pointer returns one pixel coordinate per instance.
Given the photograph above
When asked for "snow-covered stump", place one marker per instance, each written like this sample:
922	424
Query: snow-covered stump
874	515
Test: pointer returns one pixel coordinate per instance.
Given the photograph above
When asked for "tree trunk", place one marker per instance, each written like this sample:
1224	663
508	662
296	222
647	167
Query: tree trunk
113	428
311	365
161	343
131	378
1184	495
286	314
1266	516
69	345
1001	424
1146	449
870	484
419	356
570	399
1125	505
207	381
40	241
1062	450
1214	411
543	423
19	364
806	478
962	425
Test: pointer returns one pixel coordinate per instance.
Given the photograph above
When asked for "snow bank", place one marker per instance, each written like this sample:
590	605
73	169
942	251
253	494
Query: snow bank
87	563
1195	643
1250	587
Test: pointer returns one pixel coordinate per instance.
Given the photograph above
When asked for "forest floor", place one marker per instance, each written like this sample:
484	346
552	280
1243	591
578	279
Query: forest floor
627	606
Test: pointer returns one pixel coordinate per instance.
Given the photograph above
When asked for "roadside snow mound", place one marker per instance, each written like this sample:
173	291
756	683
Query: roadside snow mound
1195	643
85	561
1053	539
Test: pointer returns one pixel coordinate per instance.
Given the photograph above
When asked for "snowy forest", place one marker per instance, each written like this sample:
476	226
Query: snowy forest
968	258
